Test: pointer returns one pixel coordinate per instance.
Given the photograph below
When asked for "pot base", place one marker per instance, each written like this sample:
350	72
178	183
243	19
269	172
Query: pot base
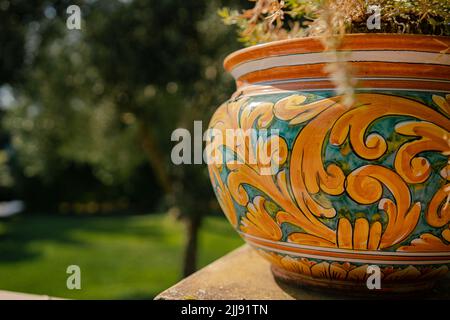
351	287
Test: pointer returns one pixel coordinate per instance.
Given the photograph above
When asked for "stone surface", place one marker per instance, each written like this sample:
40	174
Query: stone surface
244	275
8	295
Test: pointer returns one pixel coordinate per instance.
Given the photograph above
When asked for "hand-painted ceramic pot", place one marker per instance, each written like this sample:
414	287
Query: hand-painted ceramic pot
355	187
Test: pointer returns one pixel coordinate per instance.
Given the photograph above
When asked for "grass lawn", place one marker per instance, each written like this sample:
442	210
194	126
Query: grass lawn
121	257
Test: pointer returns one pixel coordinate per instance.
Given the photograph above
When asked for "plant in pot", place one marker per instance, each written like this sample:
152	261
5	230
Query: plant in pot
339	169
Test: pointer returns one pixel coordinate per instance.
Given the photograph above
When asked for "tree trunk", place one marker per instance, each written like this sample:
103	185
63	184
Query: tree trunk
156	161
190	252
155	158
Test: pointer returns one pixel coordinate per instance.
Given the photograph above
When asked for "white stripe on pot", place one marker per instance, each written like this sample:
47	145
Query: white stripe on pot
355	56
269	91
369	261
363	252
294	80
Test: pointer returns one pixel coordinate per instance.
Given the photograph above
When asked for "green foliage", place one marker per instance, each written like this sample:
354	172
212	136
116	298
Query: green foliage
271	20
13	32
108	97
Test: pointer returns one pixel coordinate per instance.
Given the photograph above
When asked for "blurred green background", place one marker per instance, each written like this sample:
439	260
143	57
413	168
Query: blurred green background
121	257
86	118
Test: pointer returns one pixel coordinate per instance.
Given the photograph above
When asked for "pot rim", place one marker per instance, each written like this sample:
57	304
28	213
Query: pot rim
380	41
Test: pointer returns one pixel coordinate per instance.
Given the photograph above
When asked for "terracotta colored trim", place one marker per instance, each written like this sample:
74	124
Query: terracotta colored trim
407	57
424	43
368	69
325	84
355	257
348	251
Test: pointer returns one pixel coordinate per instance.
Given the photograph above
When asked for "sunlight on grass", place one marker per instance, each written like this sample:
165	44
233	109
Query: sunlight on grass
120	257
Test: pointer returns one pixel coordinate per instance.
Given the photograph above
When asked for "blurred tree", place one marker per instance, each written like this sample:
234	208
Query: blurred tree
110	95
16	23
13	31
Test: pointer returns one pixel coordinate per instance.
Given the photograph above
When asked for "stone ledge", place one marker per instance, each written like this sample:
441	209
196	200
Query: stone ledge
244	275
8	295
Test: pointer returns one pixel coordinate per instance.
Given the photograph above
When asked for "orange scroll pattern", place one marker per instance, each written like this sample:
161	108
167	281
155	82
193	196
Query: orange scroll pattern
303	175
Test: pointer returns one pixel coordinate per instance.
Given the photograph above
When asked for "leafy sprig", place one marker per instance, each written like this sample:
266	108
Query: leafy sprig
271	20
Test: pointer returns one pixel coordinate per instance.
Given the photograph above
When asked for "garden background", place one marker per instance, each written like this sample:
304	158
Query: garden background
86	118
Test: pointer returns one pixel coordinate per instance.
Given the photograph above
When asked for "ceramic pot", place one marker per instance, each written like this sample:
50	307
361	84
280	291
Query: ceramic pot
352	190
